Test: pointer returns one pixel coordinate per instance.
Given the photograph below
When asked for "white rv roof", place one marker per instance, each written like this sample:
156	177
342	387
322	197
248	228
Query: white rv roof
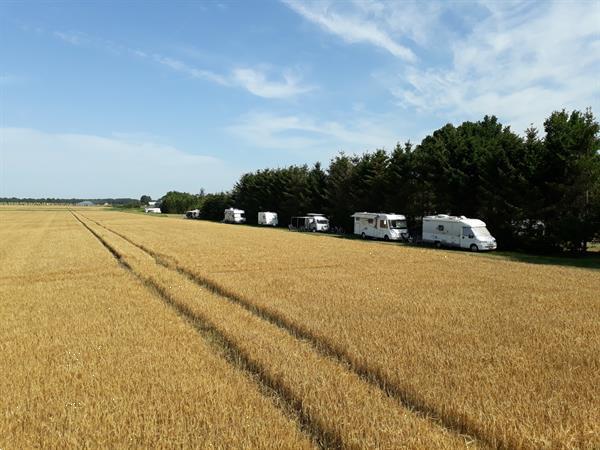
310	216
460	219
388	216
235	210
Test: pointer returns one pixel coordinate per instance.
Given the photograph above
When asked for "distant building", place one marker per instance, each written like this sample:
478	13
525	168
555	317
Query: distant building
152	203
85	203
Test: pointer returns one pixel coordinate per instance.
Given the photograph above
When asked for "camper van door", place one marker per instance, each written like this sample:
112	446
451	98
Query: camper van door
454	233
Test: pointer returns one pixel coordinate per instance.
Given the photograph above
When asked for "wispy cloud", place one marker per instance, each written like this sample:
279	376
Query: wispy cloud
73	38
519	60
520	63
309	135
79	165
356	28
193	72
255	80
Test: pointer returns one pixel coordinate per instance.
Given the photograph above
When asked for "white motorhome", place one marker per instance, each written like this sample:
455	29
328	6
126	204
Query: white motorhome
457	231
267	218
193	214
310	222
152	210
389	227
233	215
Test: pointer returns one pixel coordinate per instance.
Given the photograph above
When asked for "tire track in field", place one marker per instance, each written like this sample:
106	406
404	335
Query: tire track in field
344	408
469	431
227	350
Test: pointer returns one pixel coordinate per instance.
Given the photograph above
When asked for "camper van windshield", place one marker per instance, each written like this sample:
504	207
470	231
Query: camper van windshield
397	224
481	232
322	221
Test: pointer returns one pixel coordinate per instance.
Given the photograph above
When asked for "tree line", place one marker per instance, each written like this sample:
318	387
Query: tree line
534	192
69	201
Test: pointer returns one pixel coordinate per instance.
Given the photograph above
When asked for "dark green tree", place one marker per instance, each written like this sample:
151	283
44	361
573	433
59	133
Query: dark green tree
179	202
570	175
317	185
338	191
214	205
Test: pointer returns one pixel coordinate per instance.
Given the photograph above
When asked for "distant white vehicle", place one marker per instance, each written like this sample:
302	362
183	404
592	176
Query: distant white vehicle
152	210
192	214
233	215
389	227
152	203
311	222
457	231
267	218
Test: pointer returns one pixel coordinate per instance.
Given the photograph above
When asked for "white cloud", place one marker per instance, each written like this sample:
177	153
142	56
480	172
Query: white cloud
255	81
519	60
351	28
410	19
293	133
193	72
520	63
38	164
73	38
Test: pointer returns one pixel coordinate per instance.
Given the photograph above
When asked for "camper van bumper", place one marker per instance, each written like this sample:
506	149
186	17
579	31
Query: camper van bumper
486	245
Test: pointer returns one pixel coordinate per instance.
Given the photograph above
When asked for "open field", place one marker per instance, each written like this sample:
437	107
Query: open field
268	338
91	358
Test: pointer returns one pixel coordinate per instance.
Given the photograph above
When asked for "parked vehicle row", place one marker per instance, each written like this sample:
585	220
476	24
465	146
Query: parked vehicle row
441	230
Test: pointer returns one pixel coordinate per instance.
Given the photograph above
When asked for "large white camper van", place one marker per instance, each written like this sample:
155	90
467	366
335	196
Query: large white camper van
310	222
233	215
453	231
389	227
267	218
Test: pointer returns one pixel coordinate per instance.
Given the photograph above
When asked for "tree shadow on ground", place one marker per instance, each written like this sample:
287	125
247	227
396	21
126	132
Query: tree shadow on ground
590	260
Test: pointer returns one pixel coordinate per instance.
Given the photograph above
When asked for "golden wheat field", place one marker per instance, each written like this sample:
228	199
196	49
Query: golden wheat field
135	331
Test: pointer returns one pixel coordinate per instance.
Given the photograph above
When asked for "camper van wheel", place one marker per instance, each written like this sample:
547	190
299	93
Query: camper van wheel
386	238
363	235
438	244
474	248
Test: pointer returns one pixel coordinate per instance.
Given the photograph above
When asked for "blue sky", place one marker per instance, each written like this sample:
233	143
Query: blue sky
107	99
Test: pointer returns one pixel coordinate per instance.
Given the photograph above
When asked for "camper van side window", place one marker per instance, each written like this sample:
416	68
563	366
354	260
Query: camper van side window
383	223
371	221
440	227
